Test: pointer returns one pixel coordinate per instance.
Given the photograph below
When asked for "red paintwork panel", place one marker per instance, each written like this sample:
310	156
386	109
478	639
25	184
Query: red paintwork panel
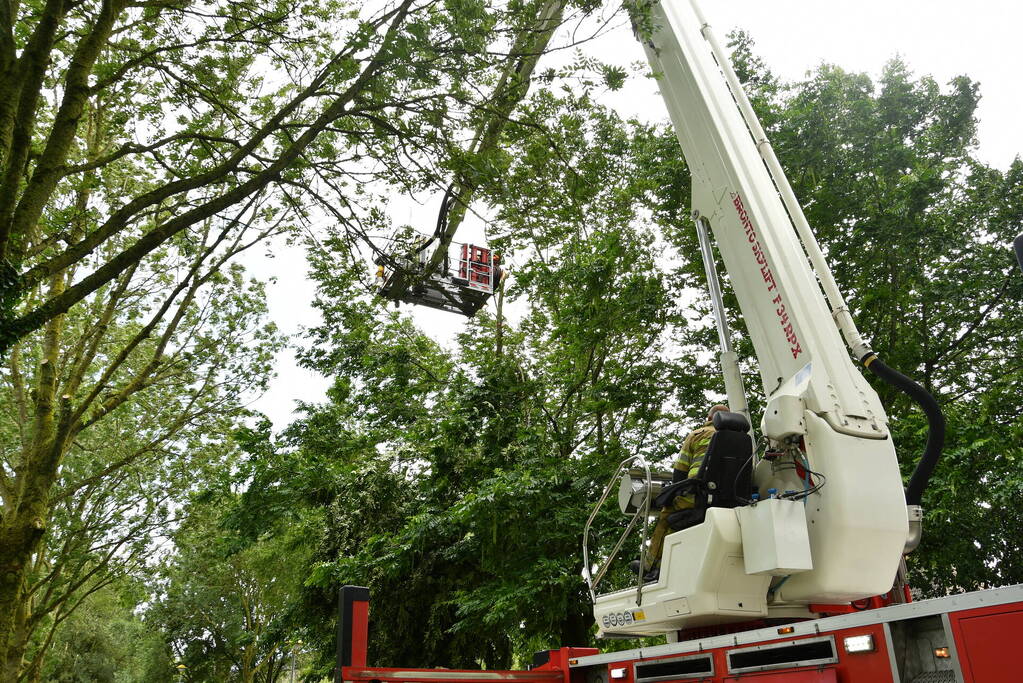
987	644
360	632
863	667
811	676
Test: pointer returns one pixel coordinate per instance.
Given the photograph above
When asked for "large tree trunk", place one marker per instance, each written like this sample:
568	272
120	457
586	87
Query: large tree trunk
17	638
20	538
23	525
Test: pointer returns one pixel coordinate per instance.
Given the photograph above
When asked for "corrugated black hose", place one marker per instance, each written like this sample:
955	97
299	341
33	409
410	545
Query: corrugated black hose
935	423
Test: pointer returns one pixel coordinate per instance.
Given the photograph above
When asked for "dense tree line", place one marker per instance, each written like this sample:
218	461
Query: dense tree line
138	494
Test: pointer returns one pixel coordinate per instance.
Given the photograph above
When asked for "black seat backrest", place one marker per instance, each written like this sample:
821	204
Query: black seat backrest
727	467
725	477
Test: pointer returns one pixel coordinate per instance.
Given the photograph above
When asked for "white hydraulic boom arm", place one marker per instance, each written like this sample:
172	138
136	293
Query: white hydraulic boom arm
785	311
820	411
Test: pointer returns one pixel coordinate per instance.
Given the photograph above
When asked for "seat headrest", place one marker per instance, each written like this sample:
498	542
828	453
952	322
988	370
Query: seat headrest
732	422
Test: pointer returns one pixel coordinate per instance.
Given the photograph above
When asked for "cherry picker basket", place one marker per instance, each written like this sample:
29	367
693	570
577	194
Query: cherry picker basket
465	277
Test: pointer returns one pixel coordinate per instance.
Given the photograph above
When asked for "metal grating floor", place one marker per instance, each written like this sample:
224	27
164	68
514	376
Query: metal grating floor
935	677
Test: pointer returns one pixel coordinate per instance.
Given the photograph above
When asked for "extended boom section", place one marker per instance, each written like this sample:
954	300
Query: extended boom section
829	445
781	301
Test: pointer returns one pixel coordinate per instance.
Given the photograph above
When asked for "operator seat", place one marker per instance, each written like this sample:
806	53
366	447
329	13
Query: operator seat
725	476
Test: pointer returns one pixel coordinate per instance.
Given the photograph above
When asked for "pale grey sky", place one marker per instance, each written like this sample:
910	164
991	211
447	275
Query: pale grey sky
941	38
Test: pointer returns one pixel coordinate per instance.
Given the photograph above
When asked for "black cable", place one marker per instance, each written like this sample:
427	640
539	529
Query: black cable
806	493
735	482
808	490
935	424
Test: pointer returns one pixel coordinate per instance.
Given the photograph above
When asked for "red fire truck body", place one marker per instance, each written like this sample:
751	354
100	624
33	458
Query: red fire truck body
968	638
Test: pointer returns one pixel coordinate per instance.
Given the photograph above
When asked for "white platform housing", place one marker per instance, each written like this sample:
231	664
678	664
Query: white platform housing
703	581
774	537
857	524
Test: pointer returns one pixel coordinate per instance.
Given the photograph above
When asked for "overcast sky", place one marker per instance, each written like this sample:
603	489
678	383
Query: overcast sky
941	38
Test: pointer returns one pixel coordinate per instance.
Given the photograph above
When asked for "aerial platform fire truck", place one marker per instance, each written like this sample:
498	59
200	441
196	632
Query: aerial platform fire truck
791	565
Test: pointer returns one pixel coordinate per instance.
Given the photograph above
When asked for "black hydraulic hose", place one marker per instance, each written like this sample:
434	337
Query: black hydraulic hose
1018	244
935	422
442	215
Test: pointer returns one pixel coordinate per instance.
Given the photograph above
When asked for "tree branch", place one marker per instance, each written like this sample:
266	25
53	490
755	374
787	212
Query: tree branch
62	133
19	93
147	243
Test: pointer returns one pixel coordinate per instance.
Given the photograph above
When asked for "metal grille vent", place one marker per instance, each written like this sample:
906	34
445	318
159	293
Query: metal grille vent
810	652
680	668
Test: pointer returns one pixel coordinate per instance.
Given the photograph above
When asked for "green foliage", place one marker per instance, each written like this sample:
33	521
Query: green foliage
225	594
142	147
104	641
145	390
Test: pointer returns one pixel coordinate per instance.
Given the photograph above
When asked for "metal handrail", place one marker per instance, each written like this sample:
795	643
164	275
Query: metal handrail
641	513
